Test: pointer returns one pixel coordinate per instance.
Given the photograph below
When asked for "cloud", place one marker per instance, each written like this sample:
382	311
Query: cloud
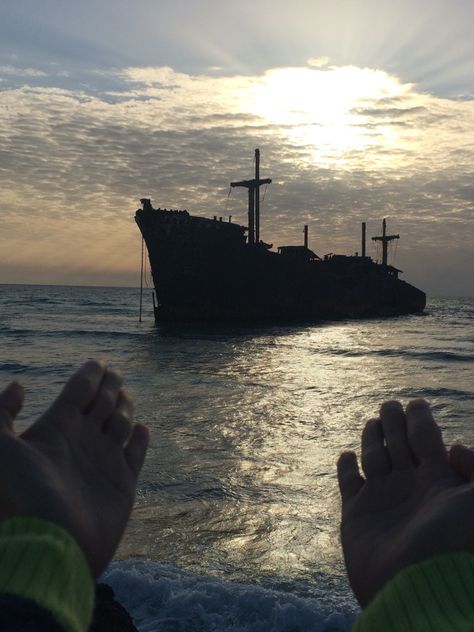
73	165
391	113
318	62
21	72
163	76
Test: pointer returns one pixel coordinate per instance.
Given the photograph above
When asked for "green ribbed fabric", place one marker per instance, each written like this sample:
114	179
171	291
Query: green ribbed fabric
434	596
42	562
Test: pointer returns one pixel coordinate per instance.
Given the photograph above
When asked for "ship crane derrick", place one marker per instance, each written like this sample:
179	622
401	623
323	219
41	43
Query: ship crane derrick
253	187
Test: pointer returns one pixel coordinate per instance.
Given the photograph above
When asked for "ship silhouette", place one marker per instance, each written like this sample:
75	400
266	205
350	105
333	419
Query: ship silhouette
214	270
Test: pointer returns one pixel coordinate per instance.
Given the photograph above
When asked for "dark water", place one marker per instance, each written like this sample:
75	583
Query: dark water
236	523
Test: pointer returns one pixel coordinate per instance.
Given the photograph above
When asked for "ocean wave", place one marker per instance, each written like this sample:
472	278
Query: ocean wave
80	333
8	329
439	356
45	300
161	598
106	303
50	372
444	393
13	367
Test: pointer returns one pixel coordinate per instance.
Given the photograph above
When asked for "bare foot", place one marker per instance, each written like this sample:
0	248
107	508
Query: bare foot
411	505
77	466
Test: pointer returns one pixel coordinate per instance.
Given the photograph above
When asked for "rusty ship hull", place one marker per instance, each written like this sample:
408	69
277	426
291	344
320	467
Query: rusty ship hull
206	270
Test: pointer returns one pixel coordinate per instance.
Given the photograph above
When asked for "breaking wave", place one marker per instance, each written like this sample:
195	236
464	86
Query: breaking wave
163	598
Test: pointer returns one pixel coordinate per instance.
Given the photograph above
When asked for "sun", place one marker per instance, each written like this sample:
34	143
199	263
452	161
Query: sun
326	110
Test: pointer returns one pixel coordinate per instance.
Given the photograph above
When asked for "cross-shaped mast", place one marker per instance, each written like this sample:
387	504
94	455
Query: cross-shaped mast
384	238
253	187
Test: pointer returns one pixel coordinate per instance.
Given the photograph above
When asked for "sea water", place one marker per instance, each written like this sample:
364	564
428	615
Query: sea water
236	520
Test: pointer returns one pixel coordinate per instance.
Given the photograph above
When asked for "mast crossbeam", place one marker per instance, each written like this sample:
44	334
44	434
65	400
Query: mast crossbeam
385	239
253	187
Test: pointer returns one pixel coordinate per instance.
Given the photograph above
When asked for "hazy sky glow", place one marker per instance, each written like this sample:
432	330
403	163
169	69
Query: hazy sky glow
362	110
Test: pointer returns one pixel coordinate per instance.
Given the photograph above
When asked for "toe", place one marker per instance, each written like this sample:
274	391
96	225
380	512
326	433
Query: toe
374	457
118	426
136	447
424	434
105	402
395	433
348	475
461	460
11	401
81	389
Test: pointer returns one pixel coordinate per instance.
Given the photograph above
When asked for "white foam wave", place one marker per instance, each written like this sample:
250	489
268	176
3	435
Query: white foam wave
163	598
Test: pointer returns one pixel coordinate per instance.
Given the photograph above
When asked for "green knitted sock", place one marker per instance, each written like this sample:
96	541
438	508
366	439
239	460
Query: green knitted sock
436	596
42	562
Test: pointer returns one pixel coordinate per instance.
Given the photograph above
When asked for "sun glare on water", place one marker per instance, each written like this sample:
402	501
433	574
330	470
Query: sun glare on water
328	111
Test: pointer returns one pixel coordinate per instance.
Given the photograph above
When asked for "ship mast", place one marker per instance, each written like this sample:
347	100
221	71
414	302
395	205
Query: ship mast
253	187
385	239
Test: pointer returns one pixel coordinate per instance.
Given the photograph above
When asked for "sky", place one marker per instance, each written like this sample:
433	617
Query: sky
362	109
